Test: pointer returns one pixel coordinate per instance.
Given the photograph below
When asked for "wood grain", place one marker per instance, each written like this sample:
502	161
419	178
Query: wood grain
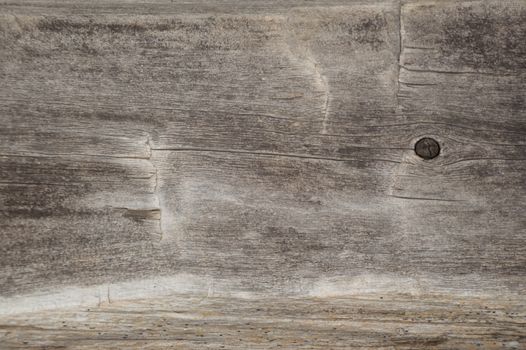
253	162
190	322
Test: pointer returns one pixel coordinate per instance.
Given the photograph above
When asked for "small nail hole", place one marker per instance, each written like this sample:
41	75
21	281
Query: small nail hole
427	148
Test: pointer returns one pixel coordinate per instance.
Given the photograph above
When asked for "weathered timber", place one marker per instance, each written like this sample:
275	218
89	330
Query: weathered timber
196	174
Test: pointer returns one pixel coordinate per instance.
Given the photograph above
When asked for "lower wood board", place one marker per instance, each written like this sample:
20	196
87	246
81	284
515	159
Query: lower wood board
192	322
242	175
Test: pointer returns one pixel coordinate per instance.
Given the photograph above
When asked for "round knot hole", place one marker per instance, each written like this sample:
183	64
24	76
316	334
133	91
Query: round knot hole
427	148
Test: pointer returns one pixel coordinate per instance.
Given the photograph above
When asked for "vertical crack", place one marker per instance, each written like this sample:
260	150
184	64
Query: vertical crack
156	185
398	105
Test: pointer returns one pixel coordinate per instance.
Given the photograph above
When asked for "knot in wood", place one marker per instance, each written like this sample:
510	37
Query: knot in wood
427	148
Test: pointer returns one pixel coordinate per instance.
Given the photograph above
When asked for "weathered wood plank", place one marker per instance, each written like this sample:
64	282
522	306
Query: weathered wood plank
190	322
242	84
252	162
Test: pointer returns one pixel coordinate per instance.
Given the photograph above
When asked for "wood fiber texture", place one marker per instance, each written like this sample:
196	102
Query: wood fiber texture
242	175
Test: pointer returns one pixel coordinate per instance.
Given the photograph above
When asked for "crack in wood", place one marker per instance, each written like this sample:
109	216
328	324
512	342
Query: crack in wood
398	104
156	186
288	155
427	198
438	71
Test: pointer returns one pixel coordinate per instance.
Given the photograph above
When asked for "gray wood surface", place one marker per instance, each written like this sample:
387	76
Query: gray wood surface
242	174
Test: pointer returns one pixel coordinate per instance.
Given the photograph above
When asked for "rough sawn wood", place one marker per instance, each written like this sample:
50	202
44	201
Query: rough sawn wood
195	174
